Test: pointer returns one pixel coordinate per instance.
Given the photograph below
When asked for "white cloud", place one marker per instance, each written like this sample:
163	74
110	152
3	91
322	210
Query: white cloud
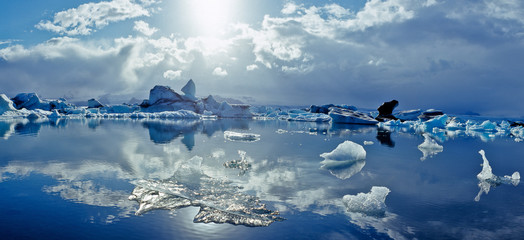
172	75
251	67
290	8
220	72
144	28
88	17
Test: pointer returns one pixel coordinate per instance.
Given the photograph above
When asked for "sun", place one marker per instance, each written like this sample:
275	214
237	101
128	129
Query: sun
211	17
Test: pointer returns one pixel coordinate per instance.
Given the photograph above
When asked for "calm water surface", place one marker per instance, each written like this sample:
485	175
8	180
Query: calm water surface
72	179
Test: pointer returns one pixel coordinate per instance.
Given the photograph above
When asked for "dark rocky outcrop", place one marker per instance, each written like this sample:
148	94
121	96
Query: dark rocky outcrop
385	111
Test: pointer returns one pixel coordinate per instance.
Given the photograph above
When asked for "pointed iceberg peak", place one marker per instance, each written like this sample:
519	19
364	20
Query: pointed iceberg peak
189	89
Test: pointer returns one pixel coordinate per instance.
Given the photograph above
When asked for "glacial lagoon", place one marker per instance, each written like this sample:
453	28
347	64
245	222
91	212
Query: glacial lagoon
253	179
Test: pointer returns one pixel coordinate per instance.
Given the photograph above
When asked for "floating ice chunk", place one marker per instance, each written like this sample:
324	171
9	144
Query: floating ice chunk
486	126
487	179
341	115
429	125
454	124
486	173
346	160
429	147
241	163
219	201
372	203
368	143
243	137
347	150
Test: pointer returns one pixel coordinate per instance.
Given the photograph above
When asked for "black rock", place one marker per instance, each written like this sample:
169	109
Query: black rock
385	111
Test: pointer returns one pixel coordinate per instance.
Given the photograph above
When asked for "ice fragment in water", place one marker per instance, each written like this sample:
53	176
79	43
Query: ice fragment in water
244	137
346	160
241	163
372	203
487	179
347	150
429	147
219	201
368	143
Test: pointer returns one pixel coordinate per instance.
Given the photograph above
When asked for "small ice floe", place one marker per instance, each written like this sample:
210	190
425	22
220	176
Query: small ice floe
371	204
487	179
368	143
429	147
242	163
242	137
346	160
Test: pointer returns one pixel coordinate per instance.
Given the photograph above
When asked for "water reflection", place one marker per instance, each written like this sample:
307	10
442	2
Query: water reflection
173	164
384	137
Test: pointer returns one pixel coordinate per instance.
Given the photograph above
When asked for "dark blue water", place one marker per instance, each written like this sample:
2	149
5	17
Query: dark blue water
72	179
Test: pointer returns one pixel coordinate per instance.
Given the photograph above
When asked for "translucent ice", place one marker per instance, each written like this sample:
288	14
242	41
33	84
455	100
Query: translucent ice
219	201
429	147
487	179
244	137
347	159
372	203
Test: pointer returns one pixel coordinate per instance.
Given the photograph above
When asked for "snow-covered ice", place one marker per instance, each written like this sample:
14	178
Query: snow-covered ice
244	137
372	203
429	147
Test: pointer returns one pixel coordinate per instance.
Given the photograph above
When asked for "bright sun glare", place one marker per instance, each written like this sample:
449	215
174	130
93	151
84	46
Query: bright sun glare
211	17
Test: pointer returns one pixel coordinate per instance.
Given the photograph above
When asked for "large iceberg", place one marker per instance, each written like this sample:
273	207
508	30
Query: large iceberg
487	179
371	204
346	160
163	98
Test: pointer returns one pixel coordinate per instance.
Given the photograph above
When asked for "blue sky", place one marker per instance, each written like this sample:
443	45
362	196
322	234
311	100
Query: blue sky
457	56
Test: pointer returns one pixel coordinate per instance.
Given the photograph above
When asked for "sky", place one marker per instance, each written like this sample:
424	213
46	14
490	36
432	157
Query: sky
456	56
